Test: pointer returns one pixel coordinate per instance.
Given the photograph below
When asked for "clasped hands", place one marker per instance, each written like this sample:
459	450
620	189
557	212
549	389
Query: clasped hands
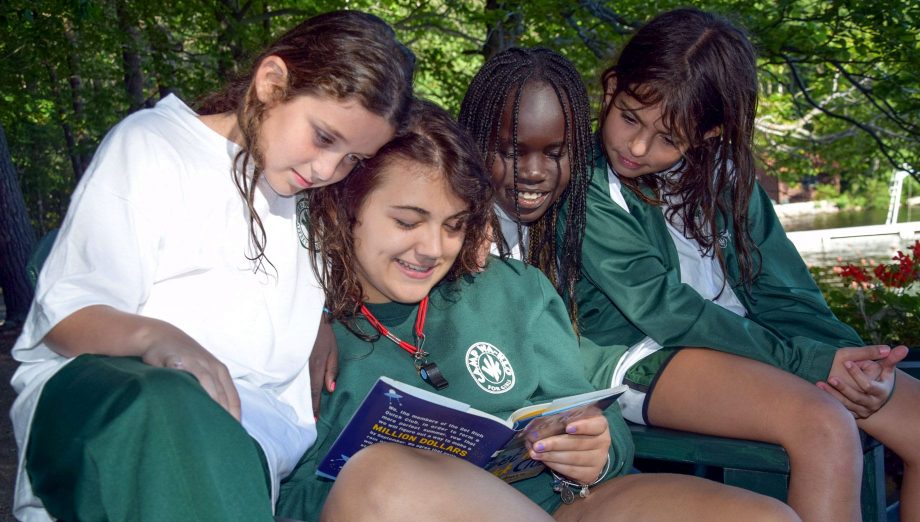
863	378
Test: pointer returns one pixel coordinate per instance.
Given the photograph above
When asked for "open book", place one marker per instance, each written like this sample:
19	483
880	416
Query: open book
394	411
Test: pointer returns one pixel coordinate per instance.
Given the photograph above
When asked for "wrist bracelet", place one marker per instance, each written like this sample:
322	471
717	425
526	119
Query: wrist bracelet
564	486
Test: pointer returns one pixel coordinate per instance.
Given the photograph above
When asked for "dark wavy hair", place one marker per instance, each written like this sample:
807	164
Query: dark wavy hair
342	55
432	140
702	70
504	77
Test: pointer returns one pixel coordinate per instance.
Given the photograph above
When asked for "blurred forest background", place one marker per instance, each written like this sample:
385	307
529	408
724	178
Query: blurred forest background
840	79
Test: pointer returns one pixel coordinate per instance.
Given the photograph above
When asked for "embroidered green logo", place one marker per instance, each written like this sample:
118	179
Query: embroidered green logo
303	219
490	368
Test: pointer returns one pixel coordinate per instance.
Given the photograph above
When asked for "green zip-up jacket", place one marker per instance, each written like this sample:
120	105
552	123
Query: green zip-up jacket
631	288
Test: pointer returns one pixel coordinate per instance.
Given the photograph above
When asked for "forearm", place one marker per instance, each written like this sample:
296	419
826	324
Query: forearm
103	330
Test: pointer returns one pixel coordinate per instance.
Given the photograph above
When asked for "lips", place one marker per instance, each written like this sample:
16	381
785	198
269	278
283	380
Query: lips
528	199
628	163
414	271
300	180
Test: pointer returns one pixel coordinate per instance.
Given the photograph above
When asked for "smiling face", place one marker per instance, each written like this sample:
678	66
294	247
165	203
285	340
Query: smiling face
543	165
408	233
636	140
313	141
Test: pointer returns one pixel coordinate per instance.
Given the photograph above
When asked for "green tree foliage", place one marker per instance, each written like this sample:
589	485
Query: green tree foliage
840	78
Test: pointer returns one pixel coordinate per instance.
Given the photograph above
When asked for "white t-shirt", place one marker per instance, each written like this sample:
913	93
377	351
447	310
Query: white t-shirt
157	227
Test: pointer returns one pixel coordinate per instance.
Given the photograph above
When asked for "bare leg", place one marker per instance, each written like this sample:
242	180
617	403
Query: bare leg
711	392
663	496
897	426
392	482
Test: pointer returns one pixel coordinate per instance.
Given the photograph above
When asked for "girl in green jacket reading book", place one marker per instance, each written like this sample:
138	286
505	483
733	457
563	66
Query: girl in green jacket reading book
402	273
683	250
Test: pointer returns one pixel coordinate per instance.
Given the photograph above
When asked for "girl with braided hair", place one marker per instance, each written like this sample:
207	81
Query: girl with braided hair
528	112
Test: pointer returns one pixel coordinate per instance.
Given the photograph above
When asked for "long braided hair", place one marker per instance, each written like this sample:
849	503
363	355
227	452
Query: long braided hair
703	71
342	55
502	78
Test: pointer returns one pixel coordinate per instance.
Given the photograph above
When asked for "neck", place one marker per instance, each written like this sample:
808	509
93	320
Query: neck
225	124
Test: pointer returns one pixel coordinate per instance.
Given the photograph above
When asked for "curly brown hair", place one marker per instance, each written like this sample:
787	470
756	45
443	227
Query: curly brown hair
342	55
432	140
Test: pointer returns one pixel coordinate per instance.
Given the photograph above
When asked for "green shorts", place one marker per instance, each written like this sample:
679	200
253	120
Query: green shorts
642	377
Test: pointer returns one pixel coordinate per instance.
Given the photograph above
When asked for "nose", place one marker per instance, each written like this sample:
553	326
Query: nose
638	144
430	244
327	166
532	171
322	169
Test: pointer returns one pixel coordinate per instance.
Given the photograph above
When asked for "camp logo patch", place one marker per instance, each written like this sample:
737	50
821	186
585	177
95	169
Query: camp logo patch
303	219
490	368
724	238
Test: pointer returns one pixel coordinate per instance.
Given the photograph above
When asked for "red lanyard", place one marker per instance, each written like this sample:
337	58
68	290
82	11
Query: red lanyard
416	351
427	370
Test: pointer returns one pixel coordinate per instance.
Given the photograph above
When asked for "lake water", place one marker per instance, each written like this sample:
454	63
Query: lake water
847	218
835	238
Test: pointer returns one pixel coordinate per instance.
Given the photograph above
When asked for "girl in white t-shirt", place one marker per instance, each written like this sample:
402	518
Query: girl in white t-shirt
164	369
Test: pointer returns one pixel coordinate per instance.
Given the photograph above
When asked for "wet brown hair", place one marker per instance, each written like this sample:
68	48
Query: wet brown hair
341	55
702	70
432	140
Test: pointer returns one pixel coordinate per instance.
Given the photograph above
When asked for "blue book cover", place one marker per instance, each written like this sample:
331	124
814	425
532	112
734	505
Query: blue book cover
397	412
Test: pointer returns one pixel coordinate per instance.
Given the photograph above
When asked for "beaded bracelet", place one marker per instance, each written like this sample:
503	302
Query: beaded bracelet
564	487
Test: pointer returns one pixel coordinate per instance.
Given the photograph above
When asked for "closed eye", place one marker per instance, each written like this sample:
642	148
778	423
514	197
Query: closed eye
455	226
323	139
405	225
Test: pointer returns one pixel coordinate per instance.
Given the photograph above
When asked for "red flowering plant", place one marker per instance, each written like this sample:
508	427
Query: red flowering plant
882	302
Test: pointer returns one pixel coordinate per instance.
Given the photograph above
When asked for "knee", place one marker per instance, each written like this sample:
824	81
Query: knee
361	477
772	510
824	424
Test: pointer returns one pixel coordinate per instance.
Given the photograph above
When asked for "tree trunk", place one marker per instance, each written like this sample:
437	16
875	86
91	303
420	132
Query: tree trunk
79	156
506	32
17	239
131	59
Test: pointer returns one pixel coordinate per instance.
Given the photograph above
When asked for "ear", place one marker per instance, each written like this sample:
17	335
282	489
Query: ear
271	79
713	132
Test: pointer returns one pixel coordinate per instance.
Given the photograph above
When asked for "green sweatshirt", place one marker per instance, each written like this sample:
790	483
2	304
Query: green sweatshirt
509	306
631	288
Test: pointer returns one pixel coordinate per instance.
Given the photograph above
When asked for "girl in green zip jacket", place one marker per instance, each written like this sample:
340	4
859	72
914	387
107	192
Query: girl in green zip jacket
685	262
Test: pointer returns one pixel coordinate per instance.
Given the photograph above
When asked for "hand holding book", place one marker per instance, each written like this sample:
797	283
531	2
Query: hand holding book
579	454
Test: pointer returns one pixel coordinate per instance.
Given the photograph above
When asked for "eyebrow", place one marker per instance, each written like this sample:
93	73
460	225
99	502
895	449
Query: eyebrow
427	213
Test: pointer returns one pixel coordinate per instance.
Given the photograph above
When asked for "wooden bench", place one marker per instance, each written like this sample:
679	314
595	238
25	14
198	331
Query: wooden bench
755	466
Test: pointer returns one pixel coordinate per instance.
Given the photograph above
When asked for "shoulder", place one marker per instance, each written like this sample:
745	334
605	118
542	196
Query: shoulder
170	120
512	278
